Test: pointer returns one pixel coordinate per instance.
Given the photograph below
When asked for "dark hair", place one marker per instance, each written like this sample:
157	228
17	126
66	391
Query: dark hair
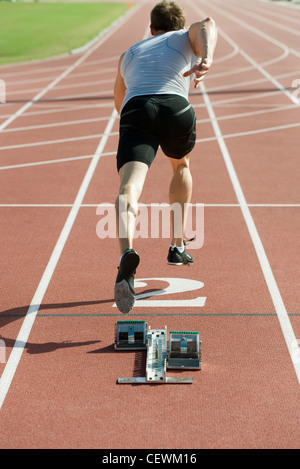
167	16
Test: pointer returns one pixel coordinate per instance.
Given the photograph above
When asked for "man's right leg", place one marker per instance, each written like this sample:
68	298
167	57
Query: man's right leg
132	178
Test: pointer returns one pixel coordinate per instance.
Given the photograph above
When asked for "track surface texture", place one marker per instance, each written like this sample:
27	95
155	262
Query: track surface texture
59	134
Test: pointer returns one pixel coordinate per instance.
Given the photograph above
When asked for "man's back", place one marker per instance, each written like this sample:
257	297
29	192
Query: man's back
157	65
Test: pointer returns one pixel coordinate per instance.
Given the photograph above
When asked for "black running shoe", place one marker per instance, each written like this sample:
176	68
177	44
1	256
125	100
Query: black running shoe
124	287
175	257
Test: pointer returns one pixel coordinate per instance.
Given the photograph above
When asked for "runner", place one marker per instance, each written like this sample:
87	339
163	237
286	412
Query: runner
151	95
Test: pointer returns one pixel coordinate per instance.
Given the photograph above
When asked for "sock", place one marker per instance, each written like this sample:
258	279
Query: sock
180	248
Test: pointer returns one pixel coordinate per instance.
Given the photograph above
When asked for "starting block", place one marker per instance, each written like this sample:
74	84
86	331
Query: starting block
130	335
182	351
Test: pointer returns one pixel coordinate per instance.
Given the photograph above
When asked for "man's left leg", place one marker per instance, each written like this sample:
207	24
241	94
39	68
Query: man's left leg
180	192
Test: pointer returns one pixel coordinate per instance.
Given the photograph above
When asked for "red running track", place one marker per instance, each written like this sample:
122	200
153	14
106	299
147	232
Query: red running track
59	132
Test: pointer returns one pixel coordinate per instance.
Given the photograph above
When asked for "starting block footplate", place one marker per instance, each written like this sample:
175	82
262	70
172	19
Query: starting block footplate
184	350
130	335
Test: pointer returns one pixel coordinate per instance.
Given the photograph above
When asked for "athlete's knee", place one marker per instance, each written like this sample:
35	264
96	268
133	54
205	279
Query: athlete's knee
126	199
128	190
185	161
180	163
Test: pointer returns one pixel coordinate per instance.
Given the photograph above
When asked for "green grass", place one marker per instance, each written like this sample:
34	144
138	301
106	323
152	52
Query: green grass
30	31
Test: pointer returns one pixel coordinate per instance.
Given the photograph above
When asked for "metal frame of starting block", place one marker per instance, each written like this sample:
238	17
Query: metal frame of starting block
182	351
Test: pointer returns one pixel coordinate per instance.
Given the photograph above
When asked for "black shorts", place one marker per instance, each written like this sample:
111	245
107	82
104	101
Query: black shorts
149	121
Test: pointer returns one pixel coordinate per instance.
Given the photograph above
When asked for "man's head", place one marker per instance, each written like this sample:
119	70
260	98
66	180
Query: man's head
167	16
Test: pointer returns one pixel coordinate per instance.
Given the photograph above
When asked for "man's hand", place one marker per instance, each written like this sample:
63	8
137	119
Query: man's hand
203	39
200	70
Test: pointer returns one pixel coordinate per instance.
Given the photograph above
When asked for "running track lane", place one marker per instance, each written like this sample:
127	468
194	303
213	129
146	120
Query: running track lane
56	157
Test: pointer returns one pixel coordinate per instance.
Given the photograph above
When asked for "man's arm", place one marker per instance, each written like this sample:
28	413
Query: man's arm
203	40
119	88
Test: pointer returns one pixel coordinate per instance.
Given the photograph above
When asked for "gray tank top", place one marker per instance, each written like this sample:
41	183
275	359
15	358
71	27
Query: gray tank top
156	66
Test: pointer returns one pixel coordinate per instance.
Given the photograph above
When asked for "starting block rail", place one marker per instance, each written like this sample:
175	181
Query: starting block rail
181	351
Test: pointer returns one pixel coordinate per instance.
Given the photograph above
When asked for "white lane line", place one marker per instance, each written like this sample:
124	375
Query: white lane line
112	134
110	204
246	25
284	47
265	20
284	54
295	52
12	93
281	16
63	75
105	94
278	303
55	124
63	107
96	106
57	161
253	62
51	142
39	95
248	68
36	205
74	75
251	113
226	57
32	70
46	162
16	353
56	107
275	82
32	80
246	98
239	84
251	132
283	5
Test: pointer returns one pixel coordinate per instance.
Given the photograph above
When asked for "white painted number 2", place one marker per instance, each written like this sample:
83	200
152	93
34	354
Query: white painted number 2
176	285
